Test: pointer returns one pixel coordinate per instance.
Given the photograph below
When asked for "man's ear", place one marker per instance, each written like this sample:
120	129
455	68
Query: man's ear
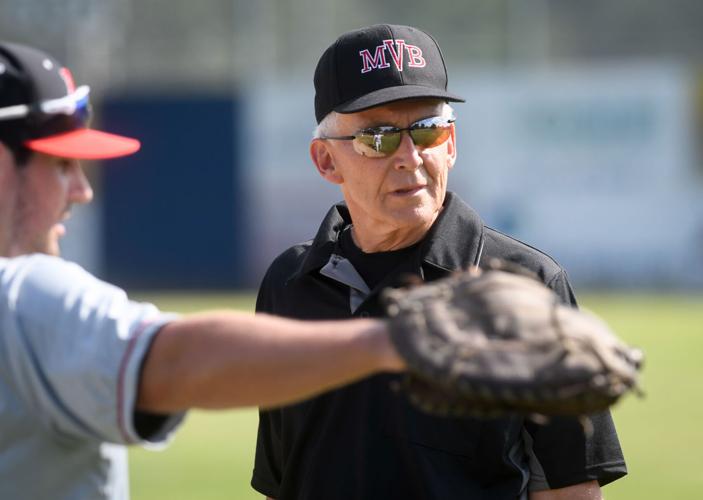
324	162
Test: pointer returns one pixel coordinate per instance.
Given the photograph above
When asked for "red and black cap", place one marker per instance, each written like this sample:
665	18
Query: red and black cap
39	95
377	65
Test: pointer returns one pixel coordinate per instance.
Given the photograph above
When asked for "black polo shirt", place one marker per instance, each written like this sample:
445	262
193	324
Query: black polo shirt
365	441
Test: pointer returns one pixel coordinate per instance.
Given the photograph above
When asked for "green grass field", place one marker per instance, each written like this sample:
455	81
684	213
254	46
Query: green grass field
662	434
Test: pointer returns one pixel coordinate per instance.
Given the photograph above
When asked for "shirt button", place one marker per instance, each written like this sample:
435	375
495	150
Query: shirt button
363	314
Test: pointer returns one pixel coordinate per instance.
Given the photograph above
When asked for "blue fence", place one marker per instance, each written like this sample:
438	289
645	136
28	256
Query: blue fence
175	213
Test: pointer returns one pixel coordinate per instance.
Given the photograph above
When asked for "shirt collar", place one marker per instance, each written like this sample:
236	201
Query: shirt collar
454	241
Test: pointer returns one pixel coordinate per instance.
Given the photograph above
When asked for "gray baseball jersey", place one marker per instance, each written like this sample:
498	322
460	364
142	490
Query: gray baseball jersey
71	348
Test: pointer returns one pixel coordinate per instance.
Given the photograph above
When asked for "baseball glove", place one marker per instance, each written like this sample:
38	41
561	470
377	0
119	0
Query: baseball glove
489	343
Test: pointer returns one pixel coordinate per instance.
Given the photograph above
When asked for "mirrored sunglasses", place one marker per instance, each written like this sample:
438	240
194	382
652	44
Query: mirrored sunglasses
379	142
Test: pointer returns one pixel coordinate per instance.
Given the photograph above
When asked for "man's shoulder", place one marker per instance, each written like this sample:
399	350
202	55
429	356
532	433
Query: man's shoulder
502	246
282	272
315	252
290	261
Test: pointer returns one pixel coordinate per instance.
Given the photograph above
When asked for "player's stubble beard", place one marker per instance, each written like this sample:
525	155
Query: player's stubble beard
32	234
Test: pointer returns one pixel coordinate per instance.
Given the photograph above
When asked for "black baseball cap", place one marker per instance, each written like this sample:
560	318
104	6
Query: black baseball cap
38	95
377	65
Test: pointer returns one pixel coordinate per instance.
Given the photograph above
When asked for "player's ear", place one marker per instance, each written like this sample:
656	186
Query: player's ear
322	157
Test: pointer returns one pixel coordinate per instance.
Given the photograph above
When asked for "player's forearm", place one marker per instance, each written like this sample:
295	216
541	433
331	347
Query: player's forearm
224	359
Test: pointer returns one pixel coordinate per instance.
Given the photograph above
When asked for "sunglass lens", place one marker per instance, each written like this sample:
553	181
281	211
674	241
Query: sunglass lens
376	145
430	137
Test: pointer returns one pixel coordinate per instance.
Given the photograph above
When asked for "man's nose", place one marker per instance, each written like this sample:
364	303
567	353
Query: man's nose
407	156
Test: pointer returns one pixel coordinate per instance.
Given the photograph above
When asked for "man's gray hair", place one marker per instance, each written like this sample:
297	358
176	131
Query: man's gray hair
328	125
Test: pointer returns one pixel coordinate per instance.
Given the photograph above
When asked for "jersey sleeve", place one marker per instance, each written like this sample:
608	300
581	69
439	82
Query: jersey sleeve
562	452
75	346
561	286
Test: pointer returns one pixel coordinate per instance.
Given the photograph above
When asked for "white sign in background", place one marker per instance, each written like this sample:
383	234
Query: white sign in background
596	166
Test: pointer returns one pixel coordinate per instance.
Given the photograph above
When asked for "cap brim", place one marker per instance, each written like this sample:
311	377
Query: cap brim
392	94
85	144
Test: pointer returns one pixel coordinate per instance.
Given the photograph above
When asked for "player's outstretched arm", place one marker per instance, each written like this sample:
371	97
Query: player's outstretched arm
227	359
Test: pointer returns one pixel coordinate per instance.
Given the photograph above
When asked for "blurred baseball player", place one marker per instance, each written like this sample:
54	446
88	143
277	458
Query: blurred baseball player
84	370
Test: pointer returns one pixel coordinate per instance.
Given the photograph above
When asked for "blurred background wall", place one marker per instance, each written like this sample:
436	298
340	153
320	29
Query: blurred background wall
580	135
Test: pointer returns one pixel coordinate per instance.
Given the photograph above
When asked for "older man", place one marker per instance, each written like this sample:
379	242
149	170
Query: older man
83	369
386	136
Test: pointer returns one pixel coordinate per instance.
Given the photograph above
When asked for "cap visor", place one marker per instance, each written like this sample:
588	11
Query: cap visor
85	144
392	94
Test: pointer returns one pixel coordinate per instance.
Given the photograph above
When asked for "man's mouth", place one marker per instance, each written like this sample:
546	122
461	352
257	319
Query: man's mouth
408	191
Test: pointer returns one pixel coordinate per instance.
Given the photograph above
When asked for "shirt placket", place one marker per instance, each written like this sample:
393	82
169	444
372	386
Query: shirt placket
341	270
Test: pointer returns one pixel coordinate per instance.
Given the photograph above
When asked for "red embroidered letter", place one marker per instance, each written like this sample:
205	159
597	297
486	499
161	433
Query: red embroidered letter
415	56
376	62
396	52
